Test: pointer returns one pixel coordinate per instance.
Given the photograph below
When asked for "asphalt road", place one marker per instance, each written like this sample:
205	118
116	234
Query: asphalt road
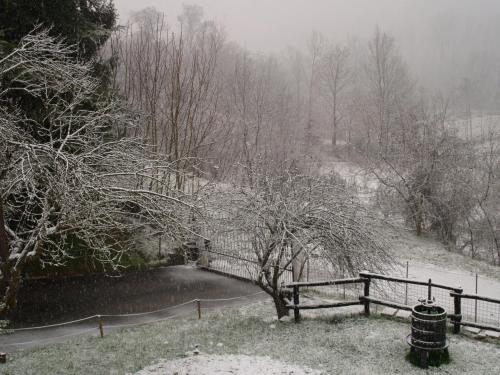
48	302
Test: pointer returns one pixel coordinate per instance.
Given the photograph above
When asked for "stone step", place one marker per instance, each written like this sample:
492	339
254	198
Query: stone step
493	334
473	330
403	314
388	311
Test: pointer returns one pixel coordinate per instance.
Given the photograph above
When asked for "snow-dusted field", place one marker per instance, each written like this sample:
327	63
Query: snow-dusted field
332	342
225	365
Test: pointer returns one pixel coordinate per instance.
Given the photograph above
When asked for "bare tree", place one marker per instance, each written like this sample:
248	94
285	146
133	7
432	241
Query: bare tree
388	85
66	179
335	76
434	173
287	215
172	77
316	47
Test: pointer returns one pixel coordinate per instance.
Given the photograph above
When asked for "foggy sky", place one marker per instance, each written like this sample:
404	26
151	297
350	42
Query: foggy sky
272	25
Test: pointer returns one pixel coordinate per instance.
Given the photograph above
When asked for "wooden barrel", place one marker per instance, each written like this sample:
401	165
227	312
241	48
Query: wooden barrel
428	327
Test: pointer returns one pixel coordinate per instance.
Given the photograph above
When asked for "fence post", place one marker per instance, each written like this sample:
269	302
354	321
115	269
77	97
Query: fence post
159	247
458	310
101	329
307	279
406	284
475	304
367	294
296	312
429	291
198	305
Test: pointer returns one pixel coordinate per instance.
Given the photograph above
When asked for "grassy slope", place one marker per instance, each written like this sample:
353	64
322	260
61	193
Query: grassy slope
349	345
424	249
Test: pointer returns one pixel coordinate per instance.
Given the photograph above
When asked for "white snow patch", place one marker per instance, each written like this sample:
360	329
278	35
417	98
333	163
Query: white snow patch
204	364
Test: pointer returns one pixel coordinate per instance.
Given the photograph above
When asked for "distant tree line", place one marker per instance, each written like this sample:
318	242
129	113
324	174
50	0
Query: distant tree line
226	112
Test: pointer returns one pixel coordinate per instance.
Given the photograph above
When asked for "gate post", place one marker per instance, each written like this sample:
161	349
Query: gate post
367	294
458	310
296	312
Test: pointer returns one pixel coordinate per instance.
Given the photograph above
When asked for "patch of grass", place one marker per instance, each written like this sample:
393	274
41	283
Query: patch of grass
332	343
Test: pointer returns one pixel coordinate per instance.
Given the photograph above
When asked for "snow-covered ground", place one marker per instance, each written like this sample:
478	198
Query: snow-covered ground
486	286
427	258
224	365
479	125
354	175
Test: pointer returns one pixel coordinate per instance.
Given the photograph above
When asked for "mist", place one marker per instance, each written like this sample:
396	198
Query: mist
183	180
444	42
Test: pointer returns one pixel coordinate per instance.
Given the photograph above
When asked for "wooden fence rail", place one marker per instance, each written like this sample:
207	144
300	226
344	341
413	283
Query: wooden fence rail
296	306
365	278
407	281
458	298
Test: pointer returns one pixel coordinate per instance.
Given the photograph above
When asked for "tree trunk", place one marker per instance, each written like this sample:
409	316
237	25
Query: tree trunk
334	107
298	261
9	284
334	136
334	128
280	305
418	224
416	209
4	246
471	235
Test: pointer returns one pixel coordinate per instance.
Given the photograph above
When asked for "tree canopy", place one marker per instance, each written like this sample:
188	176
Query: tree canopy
86	23
66	180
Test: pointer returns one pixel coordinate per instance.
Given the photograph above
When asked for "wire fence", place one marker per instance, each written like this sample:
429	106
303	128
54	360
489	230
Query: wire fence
482	312
232	255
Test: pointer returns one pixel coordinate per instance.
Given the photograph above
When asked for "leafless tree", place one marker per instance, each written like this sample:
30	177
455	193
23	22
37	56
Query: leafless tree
316	47
335	75
287	215
171	75
388	85
442	180
66	178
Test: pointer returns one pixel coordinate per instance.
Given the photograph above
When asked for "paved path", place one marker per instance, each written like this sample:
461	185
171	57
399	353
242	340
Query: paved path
47	302
488	287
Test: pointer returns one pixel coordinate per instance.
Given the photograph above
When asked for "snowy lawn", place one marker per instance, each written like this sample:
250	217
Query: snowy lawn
226	364
327	343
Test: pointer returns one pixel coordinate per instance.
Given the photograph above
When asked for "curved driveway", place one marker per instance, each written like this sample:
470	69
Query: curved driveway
46	302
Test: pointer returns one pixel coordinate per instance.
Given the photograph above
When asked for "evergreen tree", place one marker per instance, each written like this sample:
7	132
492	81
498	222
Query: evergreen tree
86	23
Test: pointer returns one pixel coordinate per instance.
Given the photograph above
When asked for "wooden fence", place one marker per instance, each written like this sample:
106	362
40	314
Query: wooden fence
368	278
230	253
